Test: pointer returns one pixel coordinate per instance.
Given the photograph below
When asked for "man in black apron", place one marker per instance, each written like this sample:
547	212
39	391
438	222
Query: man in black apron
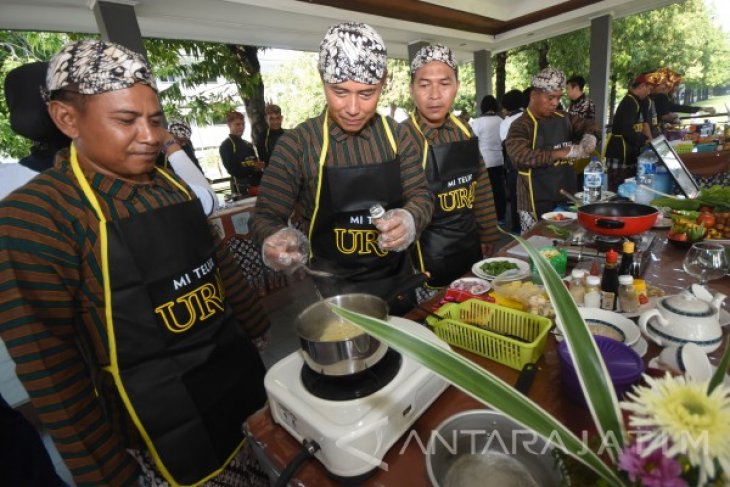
267	140
333	168
542	144
464	224
628	133
161	341
239	157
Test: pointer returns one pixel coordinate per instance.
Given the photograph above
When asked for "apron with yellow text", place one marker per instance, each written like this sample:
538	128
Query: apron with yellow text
186	374
543	184
450	244
341	235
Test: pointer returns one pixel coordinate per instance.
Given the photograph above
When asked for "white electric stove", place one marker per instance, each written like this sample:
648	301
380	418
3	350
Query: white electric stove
354	434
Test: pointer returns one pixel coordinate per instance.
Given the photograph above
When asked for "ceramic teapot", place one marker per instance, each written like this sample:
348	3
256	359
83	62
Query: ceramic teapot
684	318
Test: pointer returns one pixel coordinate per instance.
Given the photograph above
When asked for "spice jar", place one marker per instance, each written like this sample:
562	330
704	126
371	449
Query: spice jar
627	297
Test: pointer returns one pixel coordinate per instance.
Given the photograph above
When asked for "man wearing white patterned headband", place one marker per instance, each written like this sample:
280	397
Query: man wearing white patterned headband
542	144
137	385
464	224
333	168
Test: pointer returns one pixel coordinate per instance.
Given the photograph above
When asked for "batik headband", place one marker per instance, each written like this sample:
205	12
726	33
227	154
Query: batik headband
434	52
549	79
352	51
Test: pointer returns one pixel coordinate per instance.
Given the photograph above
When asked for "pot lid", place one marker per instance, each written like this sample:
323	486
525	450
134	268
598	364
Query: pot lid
686	304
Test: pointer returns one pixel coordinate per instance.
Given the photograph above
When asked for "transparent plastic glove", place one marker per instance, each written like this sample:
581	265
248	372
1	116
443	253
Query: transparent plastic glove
263	341
588	143
285	250
397	230
576	152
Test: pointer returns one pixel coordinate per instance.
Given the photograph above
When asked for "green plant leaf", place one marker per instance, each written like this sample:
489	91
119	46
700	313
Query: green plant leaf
483	386
590	368
719	376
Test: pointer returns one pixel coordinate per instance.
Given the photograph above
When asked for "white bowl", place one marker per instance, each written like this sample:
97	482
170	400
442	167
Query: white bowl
568	216
614	322
472	285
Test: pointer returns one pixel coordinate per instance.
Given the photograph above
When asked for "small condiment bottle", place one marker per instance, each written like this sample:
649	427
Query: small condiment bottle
627	297
641	291
609	281
577	289
377	211
592	297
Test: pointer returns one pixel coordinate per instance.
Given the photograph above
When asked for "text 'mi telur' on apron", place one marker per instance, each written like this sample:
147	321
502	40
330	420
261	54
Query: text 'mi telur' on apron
341	234
450	244
187	375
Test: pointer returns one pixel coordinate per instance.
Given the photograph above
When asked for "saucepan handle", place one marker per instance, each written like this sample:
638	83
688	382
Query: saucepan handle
613	224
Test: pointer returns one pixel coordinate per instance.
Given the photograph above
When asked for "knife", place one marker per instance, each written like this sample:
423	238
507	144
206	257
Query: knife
524	380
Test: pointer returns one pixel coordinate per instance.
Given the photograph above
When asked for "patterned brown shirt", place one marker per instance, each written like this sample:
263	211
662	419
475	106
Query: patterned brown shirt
484	211
290	180
52	313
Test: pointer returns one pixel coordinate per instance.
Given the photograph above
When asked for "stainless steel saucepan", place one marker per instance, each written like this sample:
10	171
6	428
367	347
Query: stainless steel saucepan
333	345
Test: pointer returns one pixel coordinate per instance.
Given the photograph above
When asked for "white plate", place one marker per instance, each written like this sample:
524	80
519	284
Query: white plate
568	216
644	307
655	363
724	317
476	269
621	324
605	195
465	283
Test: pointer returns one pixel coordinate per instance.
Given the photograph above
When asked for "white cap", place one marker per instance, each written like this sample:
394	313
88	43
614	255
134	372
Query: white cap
625	280
578	273
593	280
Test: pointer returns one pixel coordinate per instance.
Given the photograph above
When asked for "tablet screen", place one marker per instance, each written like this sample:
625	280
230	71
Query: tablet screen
675	166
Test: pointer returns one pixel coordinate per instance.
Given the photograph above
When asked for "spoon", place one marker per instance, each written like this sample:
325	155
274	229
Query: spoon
312	272
572	198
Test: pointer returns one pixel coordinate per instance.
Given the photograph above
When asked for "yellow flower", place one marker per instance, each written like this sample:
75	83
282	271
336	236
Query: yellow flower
678	416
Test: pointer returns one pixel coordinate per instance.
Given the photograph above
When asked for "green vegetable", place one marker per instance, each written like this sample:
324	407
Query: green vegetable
716	196
497	267
676	203
559	231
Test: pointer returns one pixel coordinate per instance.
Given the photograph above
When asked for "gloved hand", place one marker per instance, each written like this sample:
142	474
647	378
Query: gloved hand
576	152
588	143
397	230
285	250
263	341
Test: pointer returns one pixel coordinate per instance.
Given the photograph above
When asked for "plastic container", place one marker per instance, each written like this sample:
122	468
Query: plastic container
592	181
624	366
558	258
507	336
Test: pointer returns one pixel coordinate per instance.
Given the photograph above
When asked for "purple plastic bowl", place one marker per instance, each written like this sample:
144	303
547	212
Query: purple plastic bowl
624	365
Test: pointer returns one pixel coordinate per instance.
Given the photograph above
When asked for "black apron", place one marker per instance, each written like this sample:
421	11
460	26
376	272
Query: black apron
186	374
342	237
544	183
450	244
616	146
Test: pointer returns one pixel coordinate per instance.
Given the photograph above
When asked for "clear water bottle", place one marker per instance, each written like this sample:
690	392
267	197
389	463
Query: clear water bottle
592	181
646	164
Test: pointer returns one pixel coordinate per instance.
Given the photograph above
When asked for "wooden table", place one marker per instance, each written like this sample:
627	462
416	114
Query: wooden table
406	461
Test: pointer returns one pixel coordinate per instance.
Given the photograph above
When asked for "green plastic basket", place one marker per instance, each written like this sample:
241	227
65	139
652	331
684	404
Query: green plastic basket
486	329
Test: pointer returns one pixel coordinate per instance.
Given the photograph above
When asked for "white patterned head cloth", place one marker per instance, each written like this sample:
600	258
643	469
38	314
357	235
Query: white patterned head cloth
179	129
434	52
549	79
93	67
352	51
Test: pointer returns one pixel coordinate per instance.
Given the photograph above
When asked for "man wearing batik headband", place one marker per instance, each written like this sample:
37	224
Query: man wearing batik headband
333	168
124	368
464	224
542	144
666	110
181	132
628	132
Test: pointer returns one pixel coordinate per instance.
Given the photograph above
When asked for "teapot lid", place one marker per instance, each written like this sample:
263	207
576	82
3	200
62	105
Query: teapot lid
686	304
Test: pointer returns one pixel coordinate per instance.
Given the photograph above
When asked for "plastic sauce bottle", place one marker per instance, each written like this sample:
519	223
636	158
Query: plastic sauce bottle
577	289
592	297
609	281
627	297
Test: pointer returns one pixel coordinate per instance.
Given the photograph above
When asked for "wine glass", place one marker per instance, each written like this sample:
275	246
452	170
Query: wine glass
706	261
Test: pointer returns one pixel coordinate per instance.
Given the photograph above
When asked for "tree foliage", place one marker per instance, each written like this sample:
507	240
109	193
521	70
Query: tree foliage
296	87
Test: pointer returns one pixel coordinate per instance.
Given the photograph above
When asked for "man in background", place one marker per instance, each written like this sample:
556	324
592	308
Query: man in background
239	157
580	104
267	140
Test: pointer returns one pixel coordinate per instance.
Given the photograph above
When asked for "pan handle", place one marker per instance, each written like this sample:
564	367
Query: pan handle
612	224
